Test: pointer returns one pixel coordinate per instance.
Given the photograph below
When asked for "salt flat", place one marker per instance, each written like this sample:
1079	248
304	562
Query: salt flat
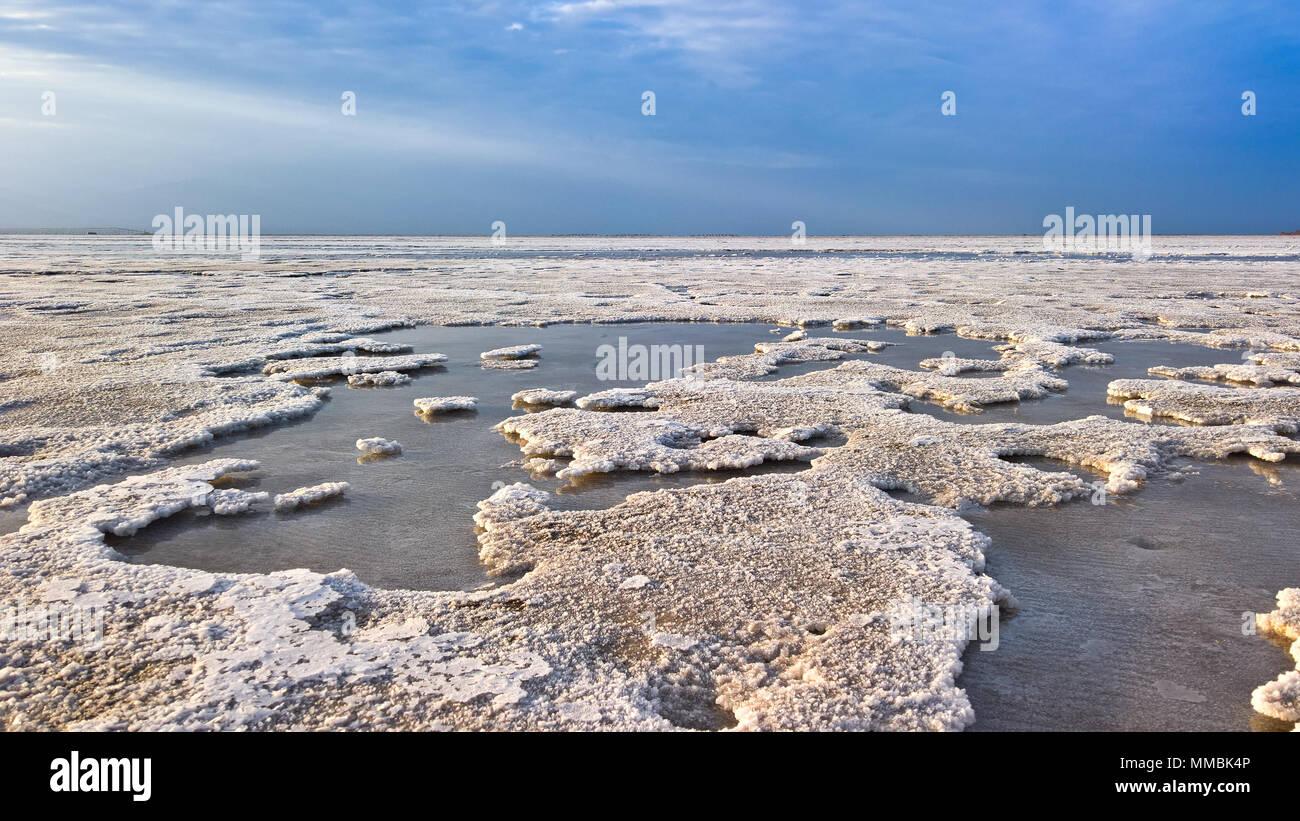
756	603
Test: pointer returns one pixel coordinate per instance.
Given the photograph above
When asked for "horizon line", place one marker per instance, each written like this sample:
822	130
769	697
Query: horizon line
91	229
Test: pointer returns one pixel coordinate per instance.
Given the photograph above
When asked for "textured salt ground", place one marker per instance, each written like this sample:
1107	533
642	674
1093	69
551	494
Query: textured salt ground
921	285
1130	614
1100	584
1087	391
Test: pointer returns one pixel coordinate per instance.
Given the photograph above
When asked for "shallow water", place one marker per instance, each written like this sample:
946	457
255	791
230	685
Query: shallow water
1130	613
407	520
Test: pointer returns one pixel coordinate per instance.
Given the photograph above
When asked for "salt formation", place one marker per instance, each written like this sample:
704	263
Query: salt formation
319	346
295	499
379	446
1053	354
604	442
1217	338
443	404
1262	376
512	352
1281	698
322	367
955	365
383	379
1023	380
508	364
58	453
1290	361
765	604
715	424
768	356
231	501
852	324
1209	404
543	396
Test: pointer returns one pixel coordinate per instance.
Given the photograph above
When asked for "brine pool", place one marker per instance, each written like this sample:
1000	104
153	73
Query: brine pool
1129	616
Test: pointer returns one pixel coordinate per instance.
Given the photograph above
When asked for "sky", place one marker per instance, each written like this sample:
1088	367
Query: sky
765	113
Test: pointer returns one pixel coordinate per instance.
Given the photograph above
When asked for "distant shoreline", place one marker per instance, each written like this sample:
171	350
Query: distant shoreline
134	232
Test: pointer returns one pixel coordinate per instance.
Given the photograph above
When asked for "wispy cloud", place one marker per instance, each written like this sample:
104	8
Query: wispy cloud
767	112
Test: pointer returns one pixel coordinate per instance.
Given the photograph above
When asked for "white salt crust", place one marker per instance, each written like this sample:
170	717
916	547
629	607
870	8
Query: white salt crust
755	603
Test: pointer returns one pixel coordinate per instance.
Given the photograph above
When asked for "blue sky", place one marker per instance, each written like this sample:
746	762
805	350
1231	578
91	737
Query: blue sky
766	113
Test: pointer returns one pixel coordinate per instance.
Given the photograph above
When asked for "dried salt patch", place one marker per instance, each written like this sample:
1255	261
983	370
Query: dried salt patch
768	356
618	398
333	344
635	582
674	641
1026	380
383	379
1280	698
321	367
544	396
409	629
1285	620
379	445
193	584
605	442
508	364
543	467
800	433
62	590
511	352
1200	404
442	404
309	495
952	365
516	501
1275	358
230	501
579	711
1053	354
1262	376
854	323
